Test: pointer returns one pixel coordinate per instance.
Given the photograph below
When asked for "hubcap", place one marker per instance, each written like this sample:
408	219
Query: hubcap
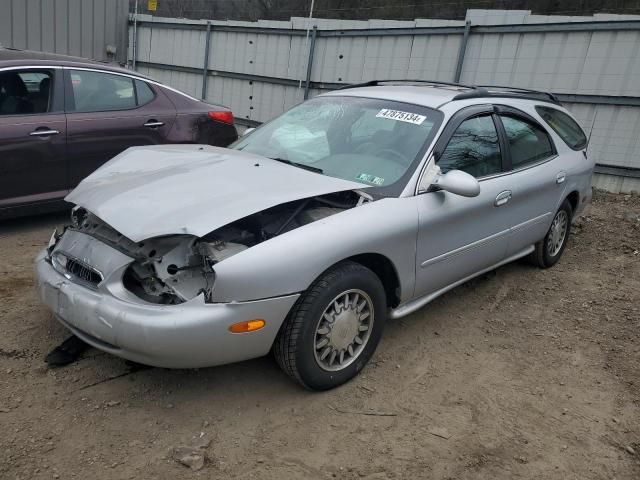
343	330
557	233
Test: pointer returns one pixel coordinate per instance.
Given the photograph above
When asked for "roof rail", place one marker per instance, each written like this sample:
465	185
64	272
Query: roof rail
482	91
473	91
375	83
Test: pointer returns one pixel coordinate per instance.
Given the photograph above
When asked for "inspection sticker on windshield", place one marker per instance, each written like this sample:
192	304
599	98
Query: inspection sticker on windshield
366	177
401	116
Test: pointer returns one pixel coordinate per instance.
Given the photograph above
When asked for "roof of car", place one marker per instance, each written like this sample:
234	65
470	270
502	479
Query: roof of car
431	97
11	57
434	94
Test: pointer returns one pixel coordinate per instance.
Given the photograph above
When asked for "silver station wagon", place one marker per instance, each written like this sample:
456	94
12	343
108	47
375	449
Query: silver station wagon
308	233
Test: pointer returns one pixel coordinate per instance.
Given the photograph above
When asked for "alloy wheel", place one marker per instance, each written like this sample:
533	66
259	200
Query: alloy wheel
343	330
557	233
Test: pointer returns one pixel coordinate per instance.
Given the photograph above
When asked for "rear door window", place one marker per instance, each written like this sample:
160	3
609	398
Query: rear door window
565	126
101	91
528	143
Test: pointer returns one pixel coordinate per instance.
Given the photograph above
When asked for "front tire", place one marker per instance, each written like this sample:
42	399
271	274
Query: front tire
334	327
549	250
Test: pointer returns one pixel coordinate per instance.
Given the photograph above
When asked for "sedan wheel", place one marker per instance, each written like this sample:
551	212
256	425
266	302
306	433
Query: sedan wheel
334	327
549	250
343	330
557	233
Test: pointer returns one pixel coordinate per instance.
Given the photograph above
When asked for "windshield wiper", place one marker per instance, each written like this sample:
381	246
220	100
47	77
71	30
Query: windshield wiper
299	165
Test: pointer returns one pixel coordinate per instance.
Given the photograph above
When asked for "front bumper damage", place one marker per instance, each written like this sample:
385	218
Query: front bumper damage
109	317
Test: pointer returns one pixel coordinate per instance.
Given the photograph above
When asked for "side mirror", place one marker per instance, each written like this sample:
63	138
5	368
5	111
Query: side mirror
457	182
247	131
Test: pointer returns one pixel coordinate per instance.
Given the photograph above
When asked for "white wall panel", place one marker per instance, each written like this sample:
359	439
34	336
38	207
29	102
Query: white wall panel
298	57
339	59
594	63
612	64
434	57
295	95
232	52
272	55
268	101
387	57
176	47
71	27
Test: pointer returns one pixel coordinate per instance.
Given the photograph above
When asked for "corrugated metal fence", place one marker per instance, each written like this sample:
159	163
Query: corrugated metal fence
70	27
260	69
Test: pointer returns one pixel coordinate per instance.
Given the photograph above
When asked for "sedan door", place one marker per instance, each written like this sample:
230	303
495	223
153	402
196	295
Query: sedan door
109	112
537	178
32	136
459	236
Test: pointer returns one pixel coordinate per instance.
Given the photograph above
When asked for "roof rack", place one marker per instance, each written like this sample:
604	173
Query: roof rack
473	91
375	83
481	91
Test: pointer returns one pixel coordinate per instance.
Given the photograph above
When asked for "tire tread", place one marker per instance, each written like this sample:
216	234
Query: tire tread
538	256
285	347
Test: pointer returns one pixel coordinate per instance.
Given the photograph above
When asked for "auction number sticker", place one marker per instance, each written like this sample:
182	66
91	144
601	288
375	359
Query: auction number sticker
401	116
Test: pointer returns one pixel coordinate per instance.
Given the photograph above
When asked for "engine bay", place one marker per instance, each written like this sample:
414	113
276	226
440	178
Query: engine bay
177	268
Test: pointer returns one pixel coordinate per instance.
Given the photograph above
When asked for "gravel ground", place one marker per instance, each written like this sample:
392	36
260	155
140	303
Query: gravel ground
522	373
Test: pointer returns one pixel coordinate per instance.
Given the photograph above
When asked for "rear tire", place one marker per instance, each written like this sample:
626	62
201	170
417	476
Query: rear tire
549	250
334	327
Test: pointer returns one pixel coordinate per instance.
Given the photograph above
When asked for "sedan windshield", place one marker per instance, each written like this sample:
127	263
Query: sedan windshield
370	141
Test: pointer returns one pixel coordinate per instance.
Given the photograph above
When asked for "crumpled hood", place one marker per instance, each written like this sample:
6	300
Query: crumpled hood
150	191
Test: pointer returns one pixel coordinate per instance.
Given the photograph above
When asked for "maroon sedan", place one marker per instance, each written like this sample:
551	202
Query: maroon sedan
62	117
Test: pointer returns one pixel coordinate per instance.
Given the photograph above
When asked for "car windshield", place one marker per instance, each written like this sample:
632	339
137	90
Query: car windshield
371	141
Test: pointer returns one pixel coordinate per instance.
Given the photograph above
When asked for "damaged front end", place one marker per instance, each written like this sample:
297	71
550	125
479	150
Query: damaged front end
174	269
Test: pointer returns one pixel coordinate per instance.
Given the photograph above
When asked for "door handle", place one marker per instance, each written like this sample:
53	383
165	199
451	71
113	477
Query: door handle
502	198
44	133
561	177
153	124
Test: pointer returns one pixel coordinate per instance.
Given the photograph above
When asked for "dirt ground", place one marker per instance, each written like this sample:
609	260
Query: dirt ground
529	373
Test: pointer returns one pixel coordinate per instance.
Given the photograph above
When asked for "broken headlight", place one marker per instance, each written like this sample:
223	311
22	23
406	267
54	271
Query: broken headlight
78	216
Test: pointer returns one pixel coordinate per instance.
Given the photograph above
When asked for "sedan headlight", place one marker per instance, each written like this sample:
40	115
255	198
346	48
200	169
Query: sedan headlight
59	261
78	216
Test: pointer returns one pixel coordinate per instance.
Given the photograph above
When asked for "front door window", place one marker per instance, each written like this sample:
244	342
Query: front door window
473	148
25	92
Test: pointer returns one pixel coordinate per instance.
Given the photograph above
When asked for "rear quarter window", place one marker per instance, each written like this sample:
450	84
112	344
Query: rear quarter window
144	93
565	126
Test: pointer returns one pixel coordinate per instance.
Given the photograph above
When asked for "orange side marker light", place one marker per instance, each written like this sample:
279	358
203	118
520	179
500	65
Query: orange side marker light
247	326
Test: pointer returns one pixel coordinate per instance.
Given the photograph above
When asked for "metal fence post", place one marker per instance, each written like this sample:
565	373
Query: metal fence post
312	47
463	49
134	49
205	67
